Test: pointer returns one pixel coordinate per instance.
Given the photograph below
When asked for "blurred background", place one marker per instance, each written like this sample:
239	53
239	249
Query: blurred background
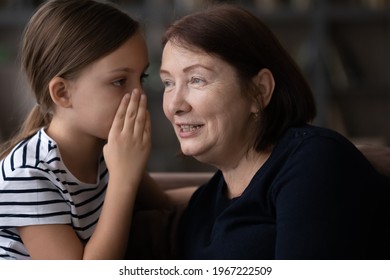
343	47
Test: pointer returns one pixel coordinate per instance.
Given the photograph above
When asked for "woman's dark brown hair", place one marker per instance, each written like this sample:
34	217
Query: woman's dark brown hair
60	40
241	39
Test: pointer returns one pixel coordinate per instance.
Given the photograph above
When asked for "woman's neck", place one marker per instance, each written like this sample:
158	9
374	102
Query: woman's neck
239	175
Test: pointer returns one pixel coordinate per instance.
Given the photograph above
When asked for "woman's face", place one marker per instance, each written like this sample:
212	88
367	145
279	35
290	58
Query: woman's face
204	103
97	92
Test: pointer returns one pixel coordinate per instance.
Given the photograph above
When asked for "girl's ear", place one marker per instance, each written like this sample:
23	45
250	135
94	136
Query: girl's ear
264	80
59	92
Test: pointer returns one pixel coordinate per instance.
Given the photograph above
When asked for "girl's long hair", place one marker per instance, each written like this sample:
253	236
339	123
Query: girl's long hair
60	40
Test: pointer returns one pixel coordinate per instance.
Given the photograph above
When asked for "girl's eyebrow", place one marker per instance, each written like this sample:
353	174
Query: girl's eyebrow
122	69
127	69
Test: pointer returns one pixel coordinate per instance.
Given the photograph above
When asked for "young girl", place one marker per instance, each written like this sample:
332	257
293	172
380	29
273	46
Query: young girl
85	62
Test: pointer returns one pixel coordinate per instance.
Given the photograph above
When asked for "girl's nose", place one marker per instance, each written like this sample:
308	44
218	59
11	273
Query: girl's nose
138	86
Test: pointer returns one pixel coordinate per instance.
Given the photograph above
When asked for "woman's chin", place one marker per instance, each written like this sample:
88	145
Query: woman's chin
199	151
197	155
189	151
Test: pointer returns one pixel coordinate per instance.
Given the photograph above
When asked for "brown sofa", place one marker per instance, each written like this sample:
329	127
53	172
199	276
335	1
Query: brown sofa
174	180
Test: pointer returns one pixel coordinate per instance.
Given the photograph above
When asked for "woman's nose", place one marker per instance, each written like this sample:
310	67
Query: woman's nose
177	101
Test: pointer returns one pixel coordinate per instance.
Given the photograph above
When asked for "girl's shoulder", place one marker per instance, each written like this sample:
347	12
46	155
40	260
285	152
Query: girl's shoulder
30	159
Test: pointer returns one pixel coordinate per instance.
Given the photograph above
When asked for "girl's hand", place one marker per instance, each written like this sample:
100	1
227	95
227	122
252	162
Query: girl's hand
129	140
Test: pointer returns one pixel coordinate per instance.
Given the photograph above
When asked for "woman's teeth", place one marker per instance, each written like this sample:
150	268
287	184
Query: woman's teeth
189	128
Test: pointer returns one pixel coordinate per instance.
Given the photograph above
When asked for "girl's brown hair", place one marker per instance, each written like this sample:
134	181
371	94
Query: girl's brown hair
61	39
241	39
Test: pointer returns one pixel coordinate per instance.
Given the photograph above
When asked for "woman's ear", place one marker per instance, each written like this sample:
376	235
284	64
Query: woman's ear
59	92
264	80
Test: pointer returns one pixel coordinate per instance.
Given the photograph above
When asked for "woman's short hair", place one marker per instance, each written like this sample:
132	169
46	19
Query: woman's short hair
242	40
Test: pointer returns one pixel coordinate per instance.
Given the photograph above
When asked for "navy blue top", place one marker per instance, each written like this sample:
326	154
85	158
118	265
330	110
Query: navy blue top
316	197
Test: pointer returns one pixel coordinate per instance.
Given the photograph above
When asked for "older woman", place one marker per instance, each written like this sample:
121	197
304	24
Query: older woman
284	189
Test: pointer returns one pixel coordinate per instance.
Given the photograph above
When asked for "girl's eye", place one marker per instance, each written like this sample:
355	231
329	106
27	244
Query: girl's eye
144	76
119	83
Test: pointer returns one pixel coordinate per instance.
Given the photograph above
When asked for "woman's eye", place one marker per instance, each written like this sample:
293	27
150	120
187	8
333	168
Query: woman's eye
167	83
197	81
119	83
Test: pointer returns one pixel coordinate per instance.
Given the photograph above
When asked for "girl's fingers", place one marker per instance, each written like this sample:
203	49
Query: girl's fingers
119	119
147	134
140	121
132	111
136	116
132	116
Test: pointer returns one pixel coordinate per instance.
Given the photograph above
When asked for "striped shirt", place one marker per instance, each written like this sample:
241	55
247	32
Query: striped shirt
36	188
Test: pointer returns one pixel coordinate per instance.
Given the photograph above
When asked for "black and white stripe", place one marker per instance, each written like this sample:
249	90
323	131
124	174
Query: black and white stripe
36	188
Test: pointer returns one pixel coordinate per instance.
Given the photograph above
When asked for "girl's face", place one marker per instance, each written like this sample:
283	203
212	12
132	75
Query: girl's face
97	92
204	102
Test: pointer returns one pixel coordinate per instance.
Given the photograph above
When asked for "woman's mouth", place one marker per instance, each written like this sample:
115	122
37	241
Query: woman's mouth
189	127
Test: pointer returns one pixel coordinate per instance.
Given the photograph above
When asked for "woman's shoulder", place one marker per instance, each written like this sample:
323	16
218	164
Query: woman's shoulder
311	131
315	137
313	147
